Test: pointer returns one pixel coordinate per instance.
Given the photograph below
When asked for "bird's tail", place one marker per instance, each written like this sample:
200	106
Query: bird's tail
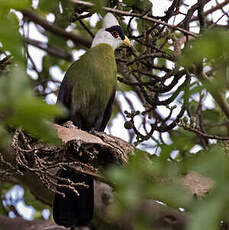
73	210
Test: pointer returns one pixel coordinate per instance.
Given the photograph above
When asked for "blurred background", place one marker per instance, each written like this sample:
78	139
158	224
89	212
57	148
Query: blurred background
171	103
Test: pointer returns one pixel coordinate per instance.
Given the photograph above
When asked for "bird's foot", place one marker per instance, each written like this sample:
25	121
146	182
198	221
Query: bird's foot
93	131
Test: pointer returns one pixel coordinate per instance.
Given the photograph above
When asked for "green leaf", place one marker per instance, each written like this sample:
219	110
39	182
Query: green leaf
211	163
207	215
48	6
211	115
172	195
138	5
31	200
211	45
10	37
5	6
4	137
31	113
4	188
178	137
22	109
98	6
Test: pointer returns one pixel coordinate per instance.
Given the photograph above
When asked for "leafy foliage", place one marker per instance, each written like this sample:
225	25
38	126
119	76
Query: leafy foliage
212	45
183	94
22	109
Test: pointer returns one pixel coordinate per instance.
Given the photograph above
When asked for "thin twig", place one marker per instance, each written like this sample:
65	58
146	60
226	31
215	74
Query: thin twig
125	13
203	134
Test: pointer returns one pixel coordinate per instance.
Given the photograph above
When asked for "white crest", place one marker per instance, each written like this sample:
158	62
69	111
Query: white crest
109	20
103	36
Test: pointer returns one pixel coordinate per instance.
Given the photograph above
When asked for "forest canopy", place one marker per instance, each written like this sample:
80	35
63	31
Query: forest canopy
171	105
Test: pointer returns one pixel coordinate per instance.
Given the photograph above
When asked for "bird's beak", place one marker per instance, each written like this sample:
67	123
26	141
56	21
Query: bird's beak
126	41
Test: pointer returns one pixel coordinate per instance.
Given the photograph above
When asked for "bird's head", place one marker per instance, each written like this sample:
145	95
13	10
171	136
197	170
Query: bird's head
111	33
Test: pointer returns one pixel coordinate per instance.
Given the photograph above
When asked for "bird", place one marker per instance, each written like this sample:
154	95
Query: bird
88	91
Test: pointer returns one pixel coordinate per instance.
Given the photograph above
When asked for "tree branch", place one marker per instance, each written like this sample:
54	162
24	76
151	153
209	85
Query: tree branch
104	150
217	95
56	30
125	13
213	9
50	49
7	223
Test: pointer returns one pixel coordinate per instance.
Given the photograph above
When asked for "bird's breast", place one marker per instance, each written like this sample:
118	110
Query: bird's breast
97	80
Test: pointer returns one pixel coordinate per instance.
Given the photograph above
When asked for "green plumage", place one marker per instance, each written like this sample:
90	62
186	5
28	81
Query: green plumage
87	91
88	86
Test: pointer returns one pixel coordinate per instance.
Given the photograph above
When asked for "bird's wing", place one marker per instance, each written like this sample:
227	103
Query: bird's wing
108	111
88	87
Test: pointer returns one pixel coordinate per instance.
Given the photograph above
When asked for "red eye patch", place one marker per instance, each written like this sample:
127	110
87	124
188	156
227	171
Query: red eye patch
115	34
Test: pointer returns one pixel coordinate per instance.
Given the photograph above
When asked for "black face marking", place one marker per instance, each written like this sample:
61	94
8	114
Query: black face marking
116	31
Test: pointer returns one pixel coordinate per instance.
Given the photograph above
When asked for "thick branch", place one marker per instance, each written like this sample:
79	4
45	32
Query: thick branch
7	223
56	30
116	150
50	49
162	217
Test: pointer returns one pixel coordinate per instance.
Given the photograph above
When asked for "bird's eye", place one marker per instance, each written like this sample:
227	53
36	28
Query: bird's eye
115	34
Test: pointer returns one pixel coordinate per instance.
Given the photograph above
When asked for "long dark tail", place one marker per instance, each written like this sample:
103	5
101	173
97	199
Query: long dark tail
73	210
